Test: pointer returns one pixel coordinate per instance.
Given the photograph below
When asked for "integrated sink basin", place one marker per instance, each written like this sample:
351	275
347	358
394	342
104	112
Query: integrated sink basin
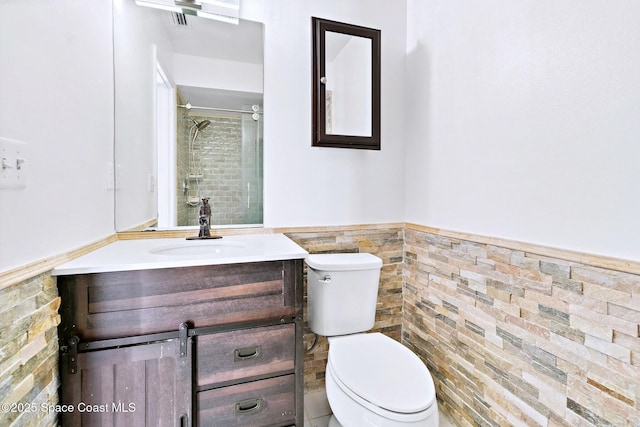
151	253
209	248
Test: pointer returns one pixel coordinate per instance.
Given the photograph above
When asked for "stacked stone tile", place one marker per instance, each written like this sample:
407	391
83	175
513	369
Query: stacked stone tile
514	338
29	352
386	243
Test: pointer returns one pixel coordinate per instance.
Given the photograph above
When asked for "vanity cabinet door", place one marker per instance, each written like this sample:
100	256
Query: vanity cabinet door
121	360
269	402
140	385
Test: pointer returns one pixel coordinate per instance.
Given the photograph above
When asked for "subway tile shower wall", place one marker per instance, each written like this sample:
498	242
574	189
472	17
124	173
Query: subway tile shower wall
223	163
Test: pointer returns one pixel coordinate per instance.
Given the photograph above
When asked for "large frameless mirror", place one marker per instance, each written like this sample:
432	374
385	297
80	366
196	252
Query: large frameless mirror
188	119
346	85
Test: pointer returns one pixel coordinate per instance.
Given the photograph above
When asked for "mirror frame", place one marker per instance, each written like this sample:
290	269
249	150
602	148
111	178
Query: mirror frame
320	138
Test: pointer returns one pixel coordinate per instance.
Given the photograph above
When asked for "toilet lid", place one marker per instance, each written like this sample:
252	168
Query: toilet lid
343	261
382	371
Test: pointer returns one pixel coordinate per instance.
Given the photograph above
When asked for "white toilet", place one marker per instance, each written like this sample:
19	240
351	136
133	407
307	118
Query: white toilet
371	379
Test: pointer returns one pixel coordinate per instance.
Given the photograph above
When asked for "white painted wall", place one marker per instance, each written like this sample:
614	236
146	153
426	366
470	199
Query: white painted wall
56	86
523	121
135	111
307	186
521	117
198	71
56	95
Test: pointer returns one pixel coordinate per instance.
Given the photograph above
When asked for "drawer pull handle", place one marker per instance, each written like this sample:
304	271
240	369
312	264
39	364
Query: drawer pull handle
249	406
247	353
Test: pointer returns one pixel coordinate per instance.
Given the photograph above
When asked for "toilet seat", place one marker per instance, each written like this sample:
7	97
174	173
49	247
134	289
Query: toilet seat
381	374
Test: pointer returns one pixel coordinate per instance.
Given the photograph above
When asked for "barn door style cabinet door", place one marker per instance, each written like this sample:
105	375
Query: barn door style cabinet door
213	345
144	384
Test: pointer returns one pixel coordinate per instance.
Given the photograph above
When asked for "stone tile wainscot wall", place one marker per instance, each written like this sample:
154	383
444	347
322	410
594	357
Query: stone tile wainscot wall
514	338
510	337
386	243
29	351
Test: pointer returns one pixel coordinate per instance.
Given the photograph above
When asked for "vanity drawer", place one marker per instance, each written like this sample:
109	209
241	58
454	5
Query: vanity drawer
242	355
269	402
120	304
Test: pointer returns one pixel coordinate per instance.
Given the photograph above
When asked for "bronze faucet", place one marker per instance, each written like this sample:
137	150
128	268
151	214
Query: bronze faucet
204	218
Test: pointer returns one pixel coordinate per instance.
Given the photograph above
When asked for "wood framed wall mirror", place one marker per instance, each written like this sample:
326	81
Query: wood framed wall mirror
346	85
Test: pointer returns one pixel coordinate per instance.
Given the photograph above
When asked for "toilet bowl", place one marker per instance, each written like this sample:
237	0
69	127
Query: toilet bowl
371	379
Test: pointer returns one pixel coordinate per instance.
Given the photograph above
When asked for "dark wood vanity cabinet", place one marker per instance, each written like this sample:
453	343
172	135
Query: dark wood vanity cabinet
216	345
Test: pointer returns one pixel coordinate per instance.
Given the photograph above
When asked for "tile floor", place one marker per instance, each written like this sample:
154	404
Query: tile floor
317	411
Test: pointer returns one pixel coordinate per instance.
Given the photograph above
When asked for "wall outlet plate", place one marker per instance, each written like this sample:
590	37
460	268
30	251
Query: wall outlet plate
113	176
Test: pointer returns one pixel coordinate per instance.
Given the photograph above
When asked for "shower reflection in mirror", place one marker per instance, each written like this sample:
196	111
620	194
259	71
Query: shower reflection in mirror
164	59
219	156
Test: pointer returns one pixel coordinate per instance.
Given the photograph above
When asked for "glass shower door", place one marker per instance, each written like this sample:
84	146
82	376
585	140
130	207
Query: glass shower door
220	154
252	173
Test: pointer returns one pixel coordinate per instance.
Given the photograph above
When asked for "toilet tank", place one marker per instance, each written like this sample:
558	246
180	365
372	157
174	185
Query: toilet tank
342	292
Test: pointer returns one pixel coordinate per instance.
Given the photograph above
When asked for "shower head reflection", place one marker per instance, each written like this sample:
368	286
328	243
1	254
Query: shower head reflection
198	126
203	124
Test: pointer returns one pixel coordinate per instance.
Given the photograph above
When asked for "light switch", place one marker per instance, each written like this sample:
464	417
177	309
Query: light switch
13	164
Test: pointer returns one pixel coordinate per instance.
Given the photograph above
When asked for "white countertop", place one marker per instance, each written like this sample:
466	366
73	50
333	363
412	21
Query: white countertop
143	254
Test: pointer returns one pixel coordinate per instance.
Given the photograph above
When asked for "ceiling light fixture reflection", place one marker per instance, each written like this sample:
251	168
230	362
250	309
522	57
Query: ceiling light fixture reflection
220	10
